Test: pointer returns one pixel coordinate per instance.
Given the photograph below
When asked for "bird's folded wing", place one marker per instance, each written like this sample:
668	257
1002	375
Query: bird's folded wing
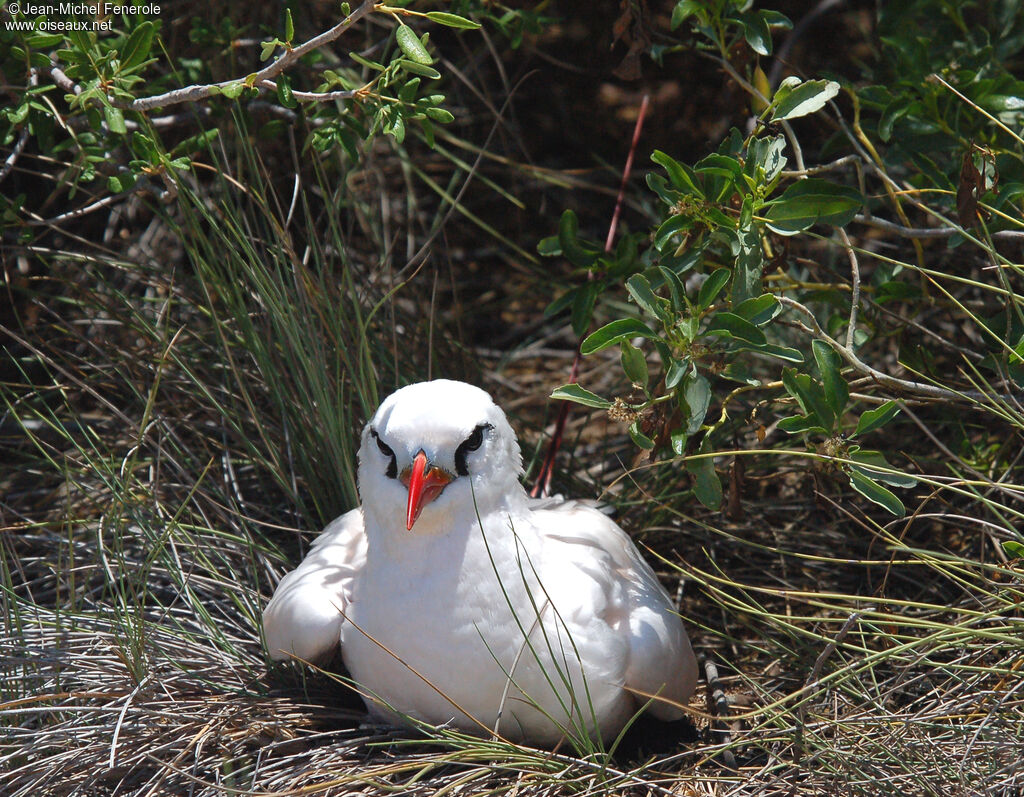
305	615
660	658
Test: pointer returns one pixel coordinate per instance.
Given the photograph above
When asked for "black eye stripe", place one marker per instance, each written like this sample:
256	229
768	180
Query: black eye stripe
471	443
385	449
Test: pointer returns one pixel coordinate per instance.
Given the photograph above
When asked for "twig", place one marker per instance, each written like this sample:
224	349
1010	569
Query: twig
825	167
543	484
926	232
718	703
15	154
262	78
847	354
33	80
812	679
143	184
64	81
956	458
312	96
279	65
794	143
855	293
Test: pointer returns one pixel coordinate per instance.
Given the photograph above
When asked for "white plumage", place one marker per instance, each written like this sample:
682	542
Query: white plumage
458	599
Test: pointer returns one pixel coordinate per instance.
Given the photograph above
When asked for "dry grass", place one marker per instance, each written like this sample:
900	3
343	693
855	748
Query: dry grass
859	658
171	433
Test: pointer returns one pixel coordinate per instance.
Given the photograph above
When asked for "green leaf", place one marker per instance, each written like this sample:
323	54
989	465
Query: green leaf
766	154
136	49
233	90
412	46
759	310
683	10
19	114
642	440
289	26
573	392
198	142
878	416
398	129
676	289
440	115
145	147
419	69
115	119
774	350
44	41
813	201
794	99
682	177
722	172
634	363
267	49
892	113
549	247
613	333
408	92
809	396
560	303
1013	549
696	392
706	484
284	92
640	289
874	465
756	32
583	307
677	369
837	392
749	260
875	492
669	228
452	20
798	424
734	326
575	253
712	286
366	62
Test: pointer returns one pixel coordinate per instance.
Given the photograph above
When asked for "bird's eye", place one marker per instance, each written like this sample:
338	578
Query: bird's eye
385	449
471	443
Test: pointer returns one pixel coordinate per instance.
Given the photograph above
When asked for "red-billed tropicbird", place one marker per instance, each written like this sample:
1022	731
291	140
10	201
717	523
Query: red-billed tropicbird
458	599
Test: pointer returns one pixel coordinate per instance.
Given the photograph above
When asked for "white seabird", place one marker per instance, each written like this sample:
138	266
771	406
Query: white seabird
458	599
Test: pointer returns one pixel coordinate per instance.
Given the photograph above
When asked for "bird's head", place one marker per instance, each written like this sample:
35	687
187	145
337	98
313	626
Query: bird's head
435	448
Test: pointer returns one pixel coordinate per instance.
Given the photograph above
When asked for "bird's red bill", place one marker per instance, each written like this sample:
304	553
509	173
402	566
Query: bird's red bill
425	482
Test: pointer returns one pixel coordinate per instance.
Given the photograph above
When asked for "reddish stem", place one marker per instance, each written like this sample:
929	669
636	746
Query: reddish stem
543	484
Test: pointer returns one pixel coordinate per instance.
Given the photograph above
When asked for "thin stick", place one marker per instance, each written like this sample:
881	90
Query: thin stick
855	295
542	486
718	704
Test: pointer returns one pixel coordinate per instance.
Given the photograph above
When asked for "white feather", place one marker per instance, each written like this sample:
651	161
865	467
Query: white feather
496	612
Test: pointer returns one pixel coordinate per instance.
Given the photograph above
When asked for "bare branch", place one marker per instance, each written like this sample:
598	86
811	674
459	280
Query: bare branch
926	232
855	295
261	78
901	385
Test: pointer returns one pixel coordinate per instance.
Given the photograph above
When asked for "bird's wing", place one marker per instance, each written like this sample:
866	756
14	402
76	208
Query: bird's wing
304	616
660	660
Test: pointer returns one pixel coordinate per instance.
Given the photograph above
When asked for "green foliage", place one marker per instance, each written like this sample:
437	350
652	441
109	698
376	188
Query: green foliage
717	299
92	92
